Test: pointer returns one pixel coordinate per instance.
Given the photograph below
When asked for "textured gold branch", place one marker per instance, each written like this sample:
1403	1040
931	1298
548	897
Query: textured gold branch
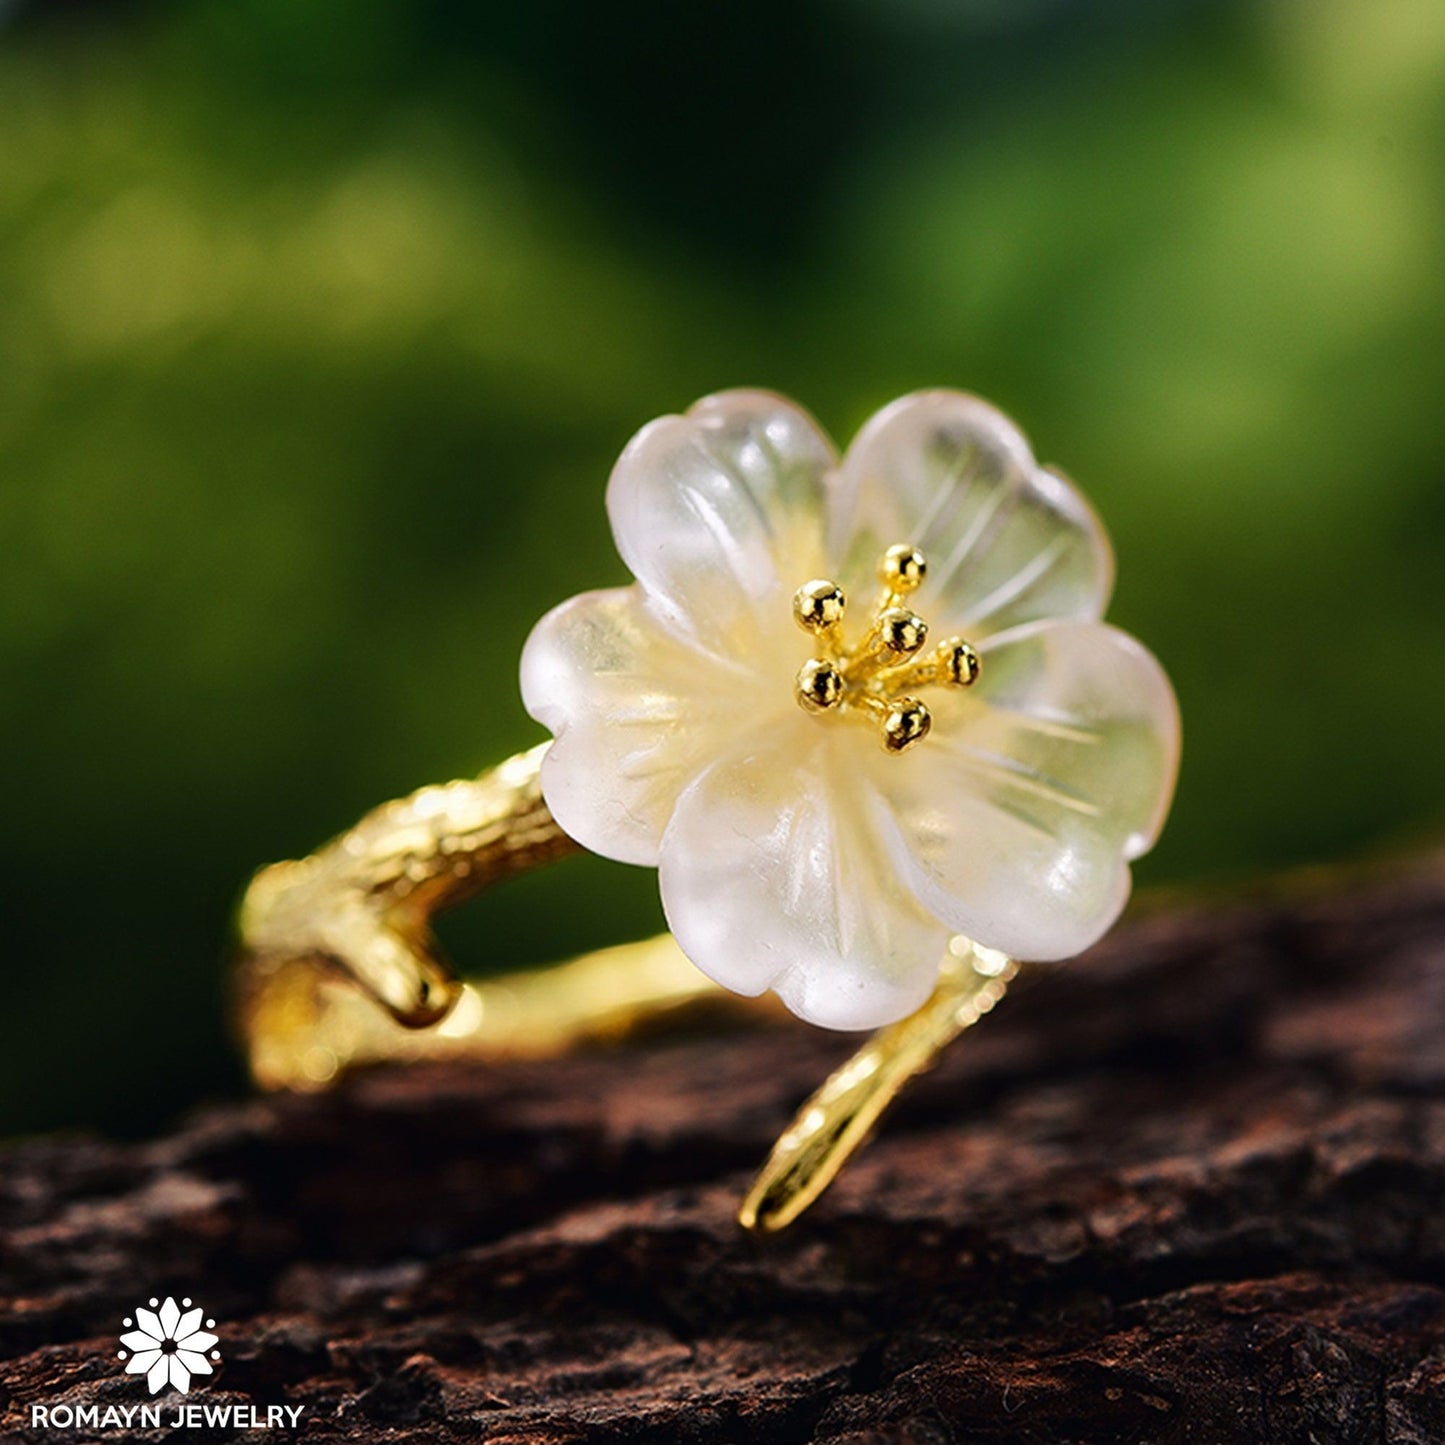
831	1126
360	908
338	966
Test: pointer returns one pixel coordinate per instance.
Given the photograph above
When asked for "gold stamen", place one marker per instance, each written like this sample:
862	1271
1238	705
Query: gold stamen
819	685
960	661
902	569
818	606
902	631
878	675
908	722
953	663
896	634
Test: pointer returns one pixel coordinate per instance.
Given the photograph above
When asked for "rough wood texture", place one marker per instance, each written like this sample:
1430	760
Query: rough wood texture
1189	1189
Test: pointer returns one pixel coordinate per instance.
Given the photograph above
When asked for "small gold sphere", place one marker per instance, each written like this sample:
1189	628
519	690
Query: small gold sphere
902	631
820	685
818	605
907	722
902	569
961	662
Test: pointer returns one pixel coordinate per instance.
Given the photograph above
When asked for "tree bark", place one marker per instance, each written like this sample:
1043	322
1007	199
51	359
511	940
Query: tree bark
1190	1188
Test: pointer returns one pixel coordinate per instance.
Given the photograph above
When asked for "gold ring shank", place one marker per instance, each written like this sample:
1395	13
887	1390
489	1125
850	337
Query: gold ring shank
306	1023
338	967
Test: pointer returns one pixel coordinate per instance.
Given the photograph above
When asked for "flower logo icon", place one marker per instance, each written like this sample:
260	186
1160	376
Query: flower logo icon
167	1345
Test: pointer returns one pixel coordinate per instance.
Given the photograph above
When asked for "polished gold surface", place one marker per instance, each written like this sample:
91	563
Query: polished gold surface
820	685
876	678
902	568
837	1119
895	634
338	967
907	722
818	606
305	1025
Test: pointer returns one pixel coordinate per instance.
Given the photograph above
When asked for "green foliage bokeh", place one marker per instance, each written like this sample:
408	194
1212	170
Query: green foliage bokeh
320	327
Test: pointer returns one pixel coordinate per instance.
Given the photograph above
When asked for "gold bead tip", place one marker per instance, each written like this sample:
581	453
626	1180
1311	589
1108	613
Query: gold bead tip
960	662
818	605
820	685
902	568
901	631
907	722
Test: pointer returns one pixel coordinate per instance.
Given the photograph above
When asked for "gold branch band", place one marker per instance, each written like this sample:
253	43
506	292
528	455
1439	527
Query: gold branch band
338	967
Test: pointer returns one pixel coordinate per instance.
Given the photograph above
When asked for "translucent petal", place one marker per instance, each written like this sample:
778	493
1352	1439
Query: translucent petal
1007	541
719	514
141	1362
1036	787
636	714
778	871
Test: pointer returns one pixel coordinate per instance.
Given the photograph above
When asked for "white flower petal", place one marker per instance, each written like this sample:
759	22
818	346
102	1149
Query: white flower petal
139	1340
197	1364
170	1317
197	1340
636	714
778	871
719	514
1007	541
150	1322
180	1376
188	1323
141	1362
159	1374
1037	786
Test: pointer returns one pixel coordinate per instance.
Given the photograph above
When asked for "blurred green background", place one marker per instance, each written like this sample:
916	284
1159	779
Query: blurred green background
321	325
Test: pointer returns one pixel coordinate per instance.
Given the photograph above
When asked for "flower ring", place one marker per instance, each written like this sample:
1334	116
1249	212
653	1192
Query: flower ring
851	708
863	717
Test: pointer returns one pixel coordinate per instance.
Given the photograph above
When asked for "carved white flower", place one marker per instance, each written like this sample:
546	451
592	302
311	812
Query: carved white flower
850	709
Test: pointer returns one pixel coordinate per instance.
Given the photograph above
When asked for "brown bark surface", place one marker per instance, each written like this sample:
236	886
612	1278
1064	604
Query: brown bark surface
1190	1188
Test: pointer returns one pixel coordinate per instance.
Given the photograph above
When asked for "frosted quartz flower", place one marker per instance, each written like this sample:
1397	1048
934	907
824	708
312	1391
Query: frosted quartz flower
825	813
